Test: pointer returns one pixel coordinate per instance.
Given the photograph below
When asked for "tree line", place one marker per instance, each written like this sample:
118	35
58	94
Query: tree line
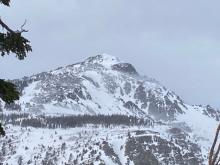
52	122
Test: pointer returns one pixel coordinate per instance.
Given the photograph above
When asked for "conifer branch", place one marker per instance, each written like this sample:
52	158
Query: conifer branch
6	26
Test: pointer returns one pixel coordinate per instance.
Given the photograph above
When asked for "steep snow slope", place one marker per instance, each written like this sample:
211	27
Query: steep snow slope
105	85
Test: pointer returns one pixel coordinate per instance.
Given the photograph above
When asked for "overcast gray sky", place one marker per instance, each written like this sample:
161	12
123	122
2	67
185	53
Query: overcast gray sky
175	42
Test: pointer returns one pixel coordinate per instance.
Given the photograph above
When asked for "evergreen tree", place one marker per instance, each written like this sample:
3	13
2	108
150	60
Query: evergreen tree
11	41
2	132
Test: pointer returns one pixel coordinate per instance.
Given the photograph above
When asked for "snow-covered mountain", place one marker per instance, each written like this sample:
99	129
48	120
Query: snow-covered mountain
125	118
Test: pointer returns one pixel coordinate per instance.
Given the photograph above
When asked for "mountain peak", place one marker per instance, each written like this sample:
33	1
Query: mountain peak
103	59
103	90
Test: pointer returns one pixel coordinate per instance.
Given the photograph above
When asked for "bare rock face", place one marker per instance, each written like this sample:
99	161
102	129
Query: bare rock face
211	112
125	68
155	150
138	154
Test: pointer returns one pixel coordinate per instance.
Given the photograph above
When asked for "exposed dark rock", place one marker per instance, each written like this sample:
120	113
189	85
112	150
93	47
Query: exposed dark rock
91	80
140	94
127	87
211	112
125	68
110	152
134	108
153	150
138	154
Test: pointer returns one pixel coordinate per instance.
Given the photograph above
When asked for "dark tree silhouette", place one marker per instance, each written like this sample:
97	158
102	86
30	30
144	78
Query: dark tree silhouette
2	131
11	42
214	156
52	122
5	2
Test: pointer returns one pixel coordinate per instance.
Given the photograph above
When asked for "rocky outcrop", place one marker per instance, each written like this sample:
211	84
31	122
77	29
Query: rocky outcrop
125	68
